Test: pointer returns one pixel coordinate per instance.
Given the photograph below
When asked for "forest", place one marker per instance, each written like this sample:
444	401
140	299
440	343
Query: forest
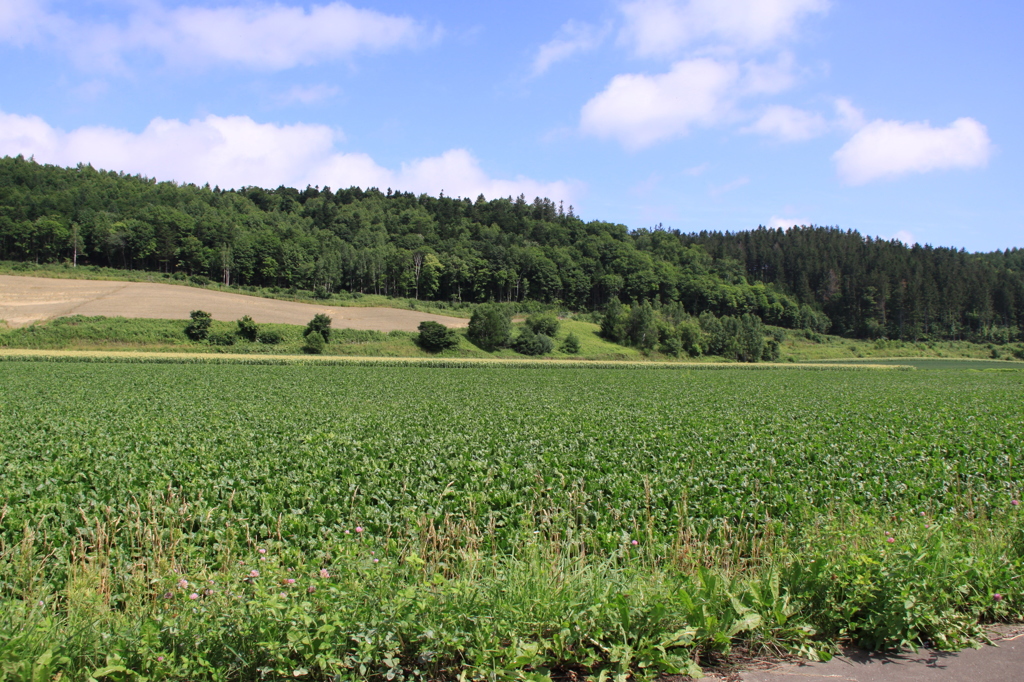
505	250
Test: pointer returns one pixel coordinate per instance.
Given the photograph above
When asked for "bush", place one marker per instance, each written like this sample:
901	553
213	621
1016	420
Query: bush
543	323
321	293
270	337
490	327
201	280
436	337
321	324
199	328
221	339
248	329
672	345
314	343
529	343
571	344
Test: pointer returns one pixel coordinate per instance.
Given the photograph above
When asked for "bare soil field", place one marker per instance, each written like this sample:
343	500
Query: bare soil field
27	300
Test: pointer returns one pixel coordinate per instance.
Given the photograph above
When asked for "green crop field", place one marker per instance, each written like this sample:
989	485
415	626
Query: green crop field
354	522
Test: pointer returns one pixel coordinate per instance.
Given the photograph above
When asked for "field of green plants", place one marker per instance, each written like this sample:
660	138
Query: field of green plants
242	522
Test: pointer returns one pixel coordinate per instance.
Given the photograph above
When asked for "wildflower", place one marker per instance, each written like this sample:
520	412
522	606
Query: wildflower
183	583
208	592
289	581
159	659
168	595
997	596
922	513
254	573
376	561
635	543
1015	503
311	589
359	529
193	596
890	540
261	550
348	532
324	573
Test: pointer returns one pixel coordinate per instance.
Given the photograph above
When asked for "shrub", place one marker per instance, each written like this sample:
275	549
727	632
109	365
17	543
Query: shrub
321	323
314	343
201	280
529	343
221	339
436	337
199	328
270	337
672	345
543	323
320	293
490	327
248	329
571	344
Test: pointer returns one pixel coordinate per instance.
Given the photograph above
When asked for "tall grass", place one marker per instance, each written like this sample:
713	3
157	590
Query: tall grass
132	597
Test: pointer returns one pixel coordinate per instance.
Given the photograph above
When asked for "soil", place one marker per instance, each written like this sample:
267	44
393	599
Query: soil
28	300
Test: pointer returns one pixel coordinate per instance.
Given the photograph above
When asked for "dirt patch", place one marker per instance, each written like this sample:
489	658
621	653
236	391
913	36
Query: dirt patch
25	300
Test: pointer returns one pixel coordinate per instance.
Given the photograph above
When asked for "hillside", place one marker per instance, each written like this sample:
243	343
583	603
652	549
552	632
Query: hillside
457	250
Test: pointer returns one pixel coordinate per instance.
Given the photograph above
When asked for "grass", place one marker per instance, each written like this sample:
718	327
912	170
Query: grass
79	333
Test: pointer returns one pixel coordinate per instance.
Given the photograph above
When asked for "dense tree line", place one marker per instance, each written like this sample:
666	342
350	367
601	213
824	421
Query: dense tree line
501	250
877	288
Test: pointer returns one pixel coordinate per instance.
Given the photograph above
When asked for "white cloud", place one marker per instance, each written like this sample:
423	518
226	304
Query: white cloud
302	94
719	190
236	151
848	116
639	110
906	237
789	124
574	37
889	149
254	35
785	223
663	27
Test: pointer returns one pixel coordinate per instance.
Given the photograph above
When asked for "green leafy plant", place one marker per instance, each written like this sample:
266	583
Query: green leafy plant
199	328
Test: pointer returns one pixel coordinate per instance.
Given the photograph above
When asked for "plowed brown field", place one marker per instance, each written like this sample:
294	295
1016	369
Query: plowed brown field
24	300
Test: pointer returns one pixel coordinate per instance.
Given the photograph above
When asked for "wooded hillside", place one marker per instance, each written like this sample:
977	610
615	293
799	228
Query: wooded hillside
457	249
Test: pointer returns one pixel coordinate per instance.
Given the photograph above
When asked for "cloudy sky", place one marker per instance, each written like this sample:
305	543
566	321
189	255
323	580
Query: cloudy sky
897	119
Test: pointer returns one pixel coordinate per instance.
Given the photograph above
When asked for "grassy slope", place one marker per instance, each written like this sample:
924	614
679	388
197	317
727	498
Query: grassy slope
121	334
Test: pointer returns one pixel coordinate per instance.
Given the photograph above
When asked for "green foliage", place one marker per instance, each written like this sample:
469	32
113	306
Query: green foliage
490	507
543	323
529	343
571	344
315	343
490	327
199	328
323	243
641	326
613	323
270	337
435	337
248	329
320	324
221	339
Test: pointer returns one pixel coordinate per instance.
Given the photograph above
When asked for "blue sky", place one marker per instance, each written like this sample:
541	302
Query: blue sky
896	119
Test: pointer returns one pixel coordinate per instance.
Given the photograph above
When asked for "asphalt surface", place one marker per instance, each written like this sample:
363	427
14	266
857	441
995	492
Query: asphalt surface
1003	662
